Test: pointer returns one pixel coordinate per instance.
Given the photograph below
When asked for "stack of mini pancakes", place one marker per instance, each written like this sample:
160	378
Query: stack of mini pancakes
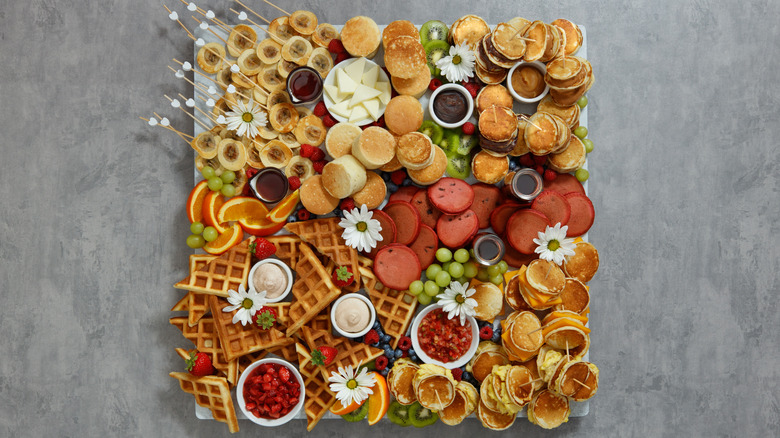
569	78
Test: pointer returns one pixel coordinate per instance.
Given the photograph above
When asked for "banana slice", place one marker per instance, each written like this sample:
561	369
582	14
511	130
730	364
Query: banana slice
210	57
220	107
323	34
241	180
241	38
269	51
231	154
225	78
253	154
242	80
289	139
283	117
267	133
321	61
275	154
303	111
303	22
270	79
300	167
205	144
278	96
249	63
281	28
201	162
297	49
260	95
311	130
284	68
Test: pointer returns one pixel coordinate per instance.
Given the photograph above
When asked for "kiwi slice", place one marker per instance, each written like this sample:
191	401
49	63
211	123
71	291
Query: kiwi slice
432	130
434	51
420	416
398	413
459	166
467	143
450	142
357	415
434	30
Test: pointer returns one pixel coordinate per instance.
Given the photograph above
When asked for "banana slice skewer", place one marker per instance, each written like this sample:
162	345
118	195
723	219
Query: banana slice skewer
210	57
269	51
283	117
297	49
205	144
231	154
241	38
249	63
311	130
303	22
321	61
324	33
275	154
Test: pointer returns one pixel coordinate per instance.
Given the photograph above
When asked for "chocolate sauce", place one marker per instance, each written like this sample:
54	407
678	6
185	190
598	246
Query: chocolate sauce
450	106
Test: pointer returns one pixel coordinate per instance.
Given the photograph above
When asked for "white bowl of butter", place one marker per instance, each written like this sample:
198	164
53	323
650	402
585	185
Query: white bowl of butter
272	276
352	315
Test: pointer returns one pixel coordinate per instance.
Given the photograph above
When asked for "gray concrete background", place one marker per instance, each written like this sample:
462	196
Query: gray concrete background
684	180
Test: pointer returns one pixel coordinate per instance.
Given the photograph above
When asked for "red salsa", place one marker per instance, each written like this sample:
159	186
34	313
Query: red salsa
443	339
271	391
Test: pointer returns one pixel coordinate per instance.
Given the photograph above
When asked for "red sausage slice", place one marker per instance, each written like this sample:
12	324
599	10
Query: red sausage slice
397	266
523	227
486	198
451	195
388	231
564	183
516	259
455	230
404	193
425	246
428	213
553	205
582	214
501	214
407	221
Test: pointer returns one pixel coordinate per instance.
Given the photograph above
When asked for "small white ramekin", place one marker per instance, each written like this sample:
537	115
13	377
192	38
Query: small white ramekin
427	359
266	421
469	105
537	65
286	269
335	307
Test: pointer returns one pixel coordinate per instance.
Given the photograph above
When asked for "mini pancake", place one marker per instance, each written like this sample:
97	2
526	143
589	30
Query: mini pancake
434	391
483	60
210	57
343	176
575	296
283	117
399	381
546	361
532	368
403	114
373	192
490	300
541	133
491	95
520	148
462	406
405	56
548	410
567	336
488	168
374	147
513	296
573	35
571	159
536	41
566	72
324	34
504	41
492	419
433	172
361	36
393	164
584	263
310	130
497	123
241	38
340	138
569	114
554	42
486	394
519	386
564	136
522	336
315	198
487	355
489	77
578	380
415	150
399	28
468	30
416	86
546	277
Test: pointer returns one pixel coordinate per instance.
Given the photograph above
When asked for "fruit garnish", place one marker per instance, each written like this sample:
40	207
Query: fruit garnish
265	318
336	47
378	400
319	165
303	214
550	175
457	373
343	276
468	128
341	57
320	109
371	338
241	207
262	227
347	204
381	362
405	343
328	120
211	205
195	201
435	83
199	364
527	160
262	248
226	240
323	355
340	409
486	332
294	182
398	177
357	414
539	160
420	416
306	150
317	154
285	207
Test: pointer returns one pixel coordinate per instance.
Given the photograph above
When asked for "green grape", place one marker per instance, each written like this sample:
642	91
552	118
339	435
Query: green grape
208	172
195	241
581	175
210	234
588	145
228	190
443	279
582	102
581	132
228	176
215	184
471	252
470	269
455	269
493	270
431	288
503	266
461	255
443	255
482	275
196	227
432	270
416	287
445	266
424	299
461	280
497	279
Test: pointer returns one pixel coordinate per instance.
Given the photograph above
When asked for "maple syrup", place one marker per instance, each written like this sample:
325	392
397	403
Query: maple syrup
304	85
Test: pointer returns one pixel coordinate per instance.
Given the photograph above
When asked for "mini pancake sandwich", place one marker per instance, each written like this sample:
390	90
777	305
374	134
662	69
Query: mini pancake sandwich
545	133
578	380
499	393
489	298
512	294
520	147
482	59
373	193
566	331
547	361
315	198
405	56
399	28
532	368
404	114
464	403
584	263
340	137
498	130
487	355
490	77
416	86
434	386
570	78
493	419
431	173
570	159
502	48
468	30
374	147
393	164
521	336
543	41
573	35
570	114
519	23
415	150
575	297
548	409
343	176
491	95
488	168
361	37
550	284
399	381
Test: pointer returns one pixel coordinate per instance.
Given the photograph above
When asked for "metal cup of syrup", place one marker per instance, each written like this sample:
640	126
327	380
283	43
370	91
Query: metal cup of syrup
488	249
526	184
304	85
269	185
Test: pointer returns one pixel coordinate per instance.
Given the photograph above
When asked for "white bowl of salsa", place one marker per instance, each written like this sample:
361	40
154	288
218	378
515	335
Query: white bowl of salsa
441	341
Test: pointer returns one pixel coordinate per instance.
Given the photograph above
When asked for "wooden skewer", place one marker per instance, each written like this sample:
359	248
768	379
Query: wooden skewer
495	118
172	128
212	32
250	10
277	7
270	34
582	384
567	347
208	116
524	117
521	38
548	271
434	391
191	115
180	23
181	135
199	73
532	381
533	331
199	87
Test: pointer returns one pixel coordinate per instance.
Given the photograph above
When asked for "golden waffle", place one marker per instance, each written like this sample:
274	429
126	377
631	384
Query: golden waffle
238	340
204	336
211	392
196	304
287	248
224	273
248	359
321	321
313	290
349	352
395	309
287	352
319	397
325	235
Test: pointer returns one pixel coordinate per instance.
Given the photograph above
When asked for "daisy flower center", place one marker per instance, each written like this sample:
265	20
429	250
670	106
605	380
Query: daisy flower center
553	245
247	303
460	299
247	117
361	226
352	384
456	59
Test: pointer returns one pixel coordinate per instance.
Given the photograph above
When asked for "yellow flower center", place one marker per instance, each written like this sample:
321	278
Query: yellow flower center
247	117
553	245
456	59
361	226
247	303
460	299
352	384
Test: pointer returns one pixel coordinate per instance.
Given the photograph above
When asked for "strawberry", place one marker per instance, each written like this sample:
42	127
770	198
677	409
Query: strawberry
539	170
323	355
328	121
343	56
306	150
317	154
473	89
527	160
347	204
303	214
371	338
294	182
468	128
319	165
398	177
284	374
342	276
486	332
550	175
265	318
336	47
435	83
262	248
199	364
319	109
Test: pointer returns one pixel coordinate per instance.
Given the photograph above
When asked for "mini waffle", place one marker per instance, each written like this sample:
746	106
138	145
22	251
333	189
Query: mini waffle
287	248
313	290
222	274
349	352
211	392
319	397
204	336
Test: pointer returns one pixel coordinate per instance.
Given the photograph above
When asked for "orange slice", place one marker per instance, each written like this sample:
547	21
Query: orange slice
226	240
378	401
195	201
211	205
263	227
285	207
242	207
339	409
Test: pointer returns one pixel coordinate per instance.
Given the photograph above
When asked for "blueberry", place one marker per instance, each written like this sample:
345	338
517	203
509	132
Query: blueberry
411	352
388	351
377	325
465	376
407	182
496	338
514	165
387	338
337	212
390	362
292	218
385	176
481	324
398	353
391	187
414	358
385	371
375	344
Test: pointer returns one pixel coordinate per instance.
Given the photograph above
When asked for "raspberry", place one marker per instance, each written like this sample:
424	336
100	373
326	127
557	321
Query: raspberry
381	363
381	121
527	160
306	150
303	214
539	170
251	172
371	338
317	154
294	182
550	175
457	373
336	47
398	177
319	165
468	128
405	343
472	89
539	160
343	56
319	109
347	204
486	332
435	83
328	121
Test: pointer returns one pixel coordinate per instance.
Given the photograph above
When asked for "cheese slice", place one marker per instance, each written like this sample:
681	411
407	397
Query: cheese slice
333	92
372	107
384	88
355	70
358	113
341	109
362	93
345	83
552	315
563	322
370	76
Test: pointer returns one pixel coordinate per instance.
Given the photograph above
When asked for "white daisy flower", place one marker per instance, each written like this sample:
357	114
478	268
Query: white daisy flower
456	302
553	244
459	64
247	303
360	230
350	387
245	118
